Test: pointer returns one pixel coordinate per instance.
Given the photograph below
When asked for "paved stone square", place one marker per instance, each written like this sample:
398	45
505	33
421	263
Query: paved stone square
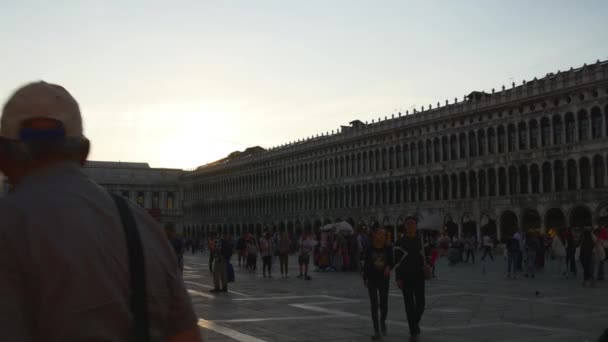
463	304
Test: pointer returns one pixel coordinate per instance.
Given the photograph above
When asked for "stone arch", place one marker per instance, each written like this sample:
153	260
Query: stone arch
585	172
469	225
488	225
583	125
580	217
530	219
596	123
545	131
451	227
555	219
508	223
599	171
570	124
572	174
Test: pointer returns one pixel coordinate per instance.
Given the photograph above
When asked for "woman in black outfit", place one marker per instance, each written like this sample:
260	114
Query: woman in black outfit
376	276
409	261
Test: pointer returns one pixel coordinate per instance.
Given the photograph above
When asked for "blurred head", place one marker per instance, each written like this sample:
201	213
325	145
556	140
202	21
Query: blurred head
411	226
379	238
41	124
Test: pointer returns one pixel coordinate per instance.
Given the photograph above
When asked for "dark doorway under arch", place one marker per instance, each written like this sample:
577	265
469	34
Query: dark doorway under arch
508	224
555	219
580	217
530	220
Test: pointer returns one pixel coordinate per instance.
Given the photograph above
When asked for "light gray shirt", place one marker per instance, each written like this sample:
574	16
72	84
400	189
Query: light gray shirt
64	266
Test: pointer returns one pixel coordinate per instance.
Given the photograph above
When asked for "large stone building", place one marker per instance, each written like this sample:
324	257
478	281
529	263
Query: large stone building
155	189
527	156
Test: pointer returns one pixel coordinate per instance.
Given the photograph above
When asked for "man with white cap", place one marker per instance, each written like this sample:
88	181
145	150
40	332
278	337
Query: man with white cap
77	264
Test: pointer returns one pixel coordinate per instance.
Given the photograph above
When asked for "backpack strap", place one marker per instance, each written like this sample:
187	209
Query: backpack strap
137	270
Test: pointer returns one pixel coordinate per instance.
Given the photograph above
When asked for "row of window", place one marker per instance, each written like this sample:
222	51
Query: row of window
550	176
156	203
535	133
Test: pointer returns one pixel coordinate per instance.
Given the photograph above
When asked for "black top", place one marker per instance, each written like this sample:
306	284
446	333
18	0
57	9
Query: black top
408	260
376	261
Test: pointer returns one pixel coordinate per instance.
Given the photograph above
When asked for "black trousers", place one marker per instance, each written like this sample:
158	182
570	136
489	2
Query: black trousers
378	289
571	262
487	250
413	295
267	262
471	253
210	261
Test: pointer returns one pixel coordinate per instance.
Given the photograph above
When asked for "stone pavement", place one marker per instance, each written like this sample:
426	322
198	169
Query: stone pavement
463	304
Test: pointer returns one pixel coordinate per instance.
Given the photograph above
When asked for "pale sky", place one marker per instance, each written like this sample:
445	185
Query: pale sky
183	83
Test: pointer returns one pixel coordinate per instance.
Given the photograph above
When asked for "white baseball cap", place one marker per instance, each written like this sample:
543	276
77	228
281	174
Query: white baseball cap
40	100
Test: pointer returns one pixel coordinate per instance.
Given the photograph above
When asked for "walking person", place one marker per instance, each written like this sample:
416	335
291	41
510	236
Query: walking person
559	253
267	251
531	248
220	265
252	254
77	263
376	277
409	272
241	248
177	244
469	247
307	245
570	254
283	245
487	247
513	255
587	256
211	245
602	241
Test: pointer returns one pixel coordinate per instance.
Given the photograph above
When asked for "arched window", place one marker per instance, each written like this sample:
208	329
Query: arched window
420	189
491	182
463	185
413	150
472	145
535	178
445	148
491	141
406	155
533	134
420	153
429	188
557	130
545	132
501	139
598	171
583	125
523	135
436	150
454	184
482	183
585	171
391	157
378	161
569	128
398	192
406	194
437	187
502	181
558	168
513	178
453	147
523	179
473	184
572	174
445	187
398	157
596	123
511	138
547	179
429	152
463	145
413	190
481	142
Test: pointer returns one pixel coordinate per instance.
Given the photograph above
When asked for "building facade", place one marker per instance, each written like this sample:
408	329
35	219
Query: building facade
528	156
156	190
